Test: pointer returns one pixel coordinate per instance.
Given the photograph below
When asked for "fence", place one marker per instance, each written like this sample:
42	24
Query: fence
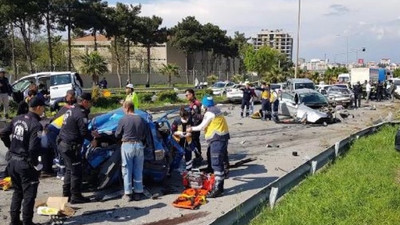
243	213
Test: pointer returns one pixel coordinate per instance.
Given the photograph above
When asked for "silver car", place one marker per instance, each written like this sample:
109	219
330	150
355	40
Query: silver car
339	96
220	88
305	104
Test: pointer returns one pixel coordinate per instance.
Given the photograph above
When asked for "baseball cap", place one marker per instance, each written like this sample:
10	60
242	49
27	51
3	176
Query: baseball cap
86	96
35	102
129	86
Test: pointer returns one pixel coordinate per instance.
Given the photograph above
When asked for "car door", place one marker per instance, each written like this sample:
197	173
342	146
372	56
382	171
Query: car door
60	83
287	106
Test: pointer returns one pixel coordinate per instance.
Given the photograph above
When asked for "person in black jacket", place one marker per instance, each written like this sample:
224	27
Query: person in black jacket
69	143
24	166
248	94
5	91
357	90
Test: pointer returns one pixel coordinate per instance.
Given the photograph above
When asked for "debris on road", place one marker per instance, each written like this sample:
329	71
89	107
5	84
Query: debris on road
294	153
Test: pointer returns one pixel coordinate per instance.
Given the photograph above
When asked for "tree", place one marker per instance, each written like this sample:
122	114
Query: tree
214	40
240	42
149	36
25	15
92	17
396	72
67	12
170	70
331	74
95	65
119	19
262	60
188	37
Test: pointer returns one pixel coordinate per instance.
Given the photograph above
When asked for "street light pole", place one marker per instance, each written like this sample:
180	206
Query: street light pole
347	50
298	40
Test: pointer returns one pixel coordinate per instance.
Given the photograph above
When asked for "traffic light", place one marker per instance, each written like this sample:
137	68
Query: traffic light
363	49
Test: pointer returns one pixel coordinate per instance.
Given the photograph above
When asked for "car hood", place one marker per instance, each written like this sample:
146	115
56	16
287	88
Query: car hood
311	115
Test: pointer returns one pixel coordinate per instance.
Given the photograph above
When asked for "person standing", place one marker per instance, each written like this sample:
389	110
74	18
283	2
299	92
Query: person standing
5	90
368	90
379	90
53	129
274	100
392	89
103	83
248	94
72	134
195	118
132	130
24	166
357	90
217	135
178	129
265	102
131	95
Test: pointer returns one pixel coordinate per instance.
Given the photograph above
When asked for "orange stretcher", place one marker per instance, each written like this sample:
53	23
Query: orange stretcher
191	198
5	183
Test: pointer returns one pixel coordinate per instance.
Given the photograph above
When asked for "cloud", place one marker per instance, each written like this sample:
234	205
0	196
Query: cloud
337	10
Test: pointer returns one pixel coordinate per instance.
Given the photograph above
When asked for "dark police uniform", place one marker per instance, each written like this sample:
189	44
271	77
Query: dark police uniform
247	94
25	131
72	134
195	120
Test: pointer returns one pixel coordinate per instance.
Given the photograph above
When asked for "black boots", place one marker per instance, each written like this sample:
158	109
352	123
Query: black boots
79	199
218	190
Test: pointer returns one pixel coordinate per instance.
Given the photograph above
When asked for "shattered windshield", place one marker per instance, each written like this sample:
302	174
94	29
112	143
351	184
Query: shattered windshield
313	99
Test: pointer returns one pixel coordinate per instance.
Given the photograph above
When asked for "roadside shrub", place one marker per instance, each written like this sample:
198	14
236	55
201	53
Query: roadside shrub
145	97
200	93
103	102
212	79
95	93
167	96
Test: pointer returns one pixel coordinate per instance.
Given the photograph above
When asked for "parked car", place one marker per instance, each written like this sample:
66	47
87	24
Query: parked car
339	96
57	83
235	93
221	88
300	83
305	103
322	88
278	86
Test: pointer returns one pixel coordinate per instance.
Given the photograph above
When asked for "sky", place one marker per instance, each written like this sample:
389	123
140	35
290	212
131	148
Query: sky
330	29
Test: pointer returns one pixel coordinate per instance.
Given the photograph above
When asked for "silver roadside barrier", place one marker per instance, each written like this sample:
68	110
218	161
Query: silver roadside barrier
249	209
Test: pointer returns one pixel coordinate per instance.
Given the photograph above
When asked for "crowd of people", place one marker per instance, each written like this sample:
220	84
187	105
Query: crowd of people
32	148
381	90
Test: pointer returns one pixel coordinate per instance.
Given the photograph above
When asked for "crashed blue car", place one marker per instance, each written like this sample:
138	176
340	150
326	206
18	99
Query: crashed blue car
162	153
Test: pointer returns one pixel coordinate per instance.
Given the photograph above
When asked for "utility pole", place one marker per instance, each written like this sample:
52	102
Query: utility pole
129	63
298	40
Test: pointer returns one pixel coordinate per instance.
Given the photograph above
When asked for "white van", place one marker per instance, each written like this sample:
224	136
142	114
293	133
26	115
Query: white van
57	83
300	83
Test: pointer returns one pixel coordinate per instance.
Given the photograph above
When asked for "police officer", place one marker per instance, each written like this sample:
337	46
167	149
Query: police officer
195	119
24	167
72	134
248	94
217	135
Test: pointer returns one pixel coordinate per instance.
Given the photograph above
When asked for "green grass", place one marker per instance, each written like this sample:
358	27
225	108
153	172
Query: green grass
361	188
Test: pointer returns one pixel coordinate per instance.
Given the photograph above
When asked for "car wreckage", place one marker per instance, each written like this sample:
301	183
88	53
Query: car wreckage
306	106
102	163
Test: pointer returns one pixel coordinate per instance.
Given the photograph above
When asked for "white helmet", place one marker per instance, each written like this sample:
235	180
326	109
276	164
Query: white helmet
2	70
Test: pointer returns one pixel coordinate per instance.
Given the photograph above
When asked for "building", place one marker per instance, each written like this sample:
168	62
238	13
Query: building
276	39
316	65
202	62
385	61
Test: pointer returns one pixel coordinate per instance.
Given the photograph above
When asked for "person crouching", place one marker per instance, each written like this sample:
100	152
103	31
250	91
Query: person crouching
132	129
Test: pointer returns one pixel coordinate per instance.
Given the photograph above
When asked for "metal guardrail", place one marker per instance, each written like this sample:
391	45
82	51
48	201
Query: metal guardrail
243	213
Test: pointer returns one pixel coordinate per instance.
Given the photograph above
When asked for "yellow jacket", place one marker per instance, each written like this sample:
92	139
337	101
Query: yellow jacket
134	98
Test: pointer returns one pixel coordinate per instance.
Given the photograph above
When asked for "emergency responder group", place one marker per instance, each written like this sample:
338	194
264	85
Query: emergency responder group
68	129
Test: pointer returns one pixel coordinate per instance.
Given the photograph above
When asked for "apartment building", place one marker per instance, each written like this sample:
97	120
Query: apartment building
277	39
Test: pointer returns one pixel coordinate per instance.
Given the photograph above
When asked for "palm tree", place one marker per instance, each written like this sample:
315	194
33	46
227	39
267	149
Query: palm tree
169	70
95	65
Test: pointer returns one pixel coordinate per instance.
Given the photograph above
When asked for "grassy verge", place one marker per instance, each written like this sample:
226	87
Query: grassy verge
361	188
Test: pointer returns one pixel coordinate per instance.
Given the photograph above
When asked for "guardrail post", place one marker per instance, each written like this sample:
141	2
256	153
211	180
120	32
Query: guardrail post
337	145
272	196
313	167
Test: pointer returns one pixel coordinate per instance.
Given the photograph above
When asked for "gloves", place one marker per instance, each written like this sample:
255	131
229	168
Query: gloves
38	167
179	134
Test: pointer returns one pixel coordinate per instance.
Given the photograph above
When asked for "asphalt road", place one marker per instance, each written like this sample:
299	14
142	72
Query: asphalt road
249	138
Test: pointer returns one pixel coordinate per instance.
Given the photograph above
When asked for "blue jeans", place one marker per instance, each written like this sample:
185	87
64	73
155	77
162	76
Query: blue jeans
132	155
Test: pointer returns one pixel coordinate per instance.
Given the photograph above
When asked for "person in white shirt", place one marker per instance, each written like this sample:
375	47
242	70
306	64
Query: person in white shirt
368	90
